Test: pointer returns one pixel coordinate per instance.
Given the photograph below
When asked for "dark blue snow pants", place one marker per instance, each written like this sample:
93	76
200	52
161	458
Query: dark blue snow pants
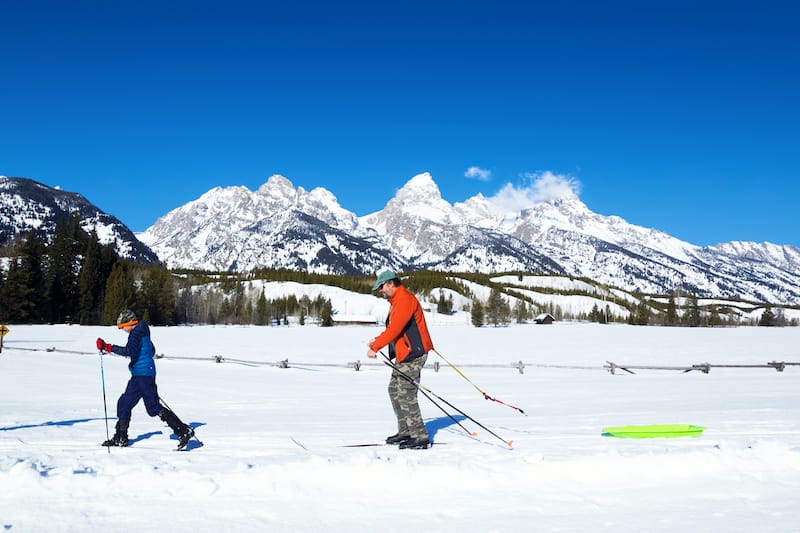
139	387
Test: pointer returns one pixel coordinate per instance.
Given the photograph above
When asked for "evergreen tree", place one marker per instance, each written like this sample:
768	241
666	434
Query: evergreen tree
713	317
642	315
326	314
767	317
497	309
3	310
444	305
225	312
158	296
693	318
672	311
119	293
30	277
261	317
477	314
15	302
441	306
521	313
61	280
184	308
247	312
90	283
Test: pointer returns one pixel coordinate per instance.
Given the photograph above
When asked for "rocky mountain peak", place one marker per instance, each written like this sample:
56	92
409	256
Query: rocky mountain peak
420	188
280	190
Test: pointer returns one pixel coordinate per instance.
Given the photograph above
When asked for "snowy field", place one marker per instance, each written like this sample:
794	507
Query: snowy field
272	458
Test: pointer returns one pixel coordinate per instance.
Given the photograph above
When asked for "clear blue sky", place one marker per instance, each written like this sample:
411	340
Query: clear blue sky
678	115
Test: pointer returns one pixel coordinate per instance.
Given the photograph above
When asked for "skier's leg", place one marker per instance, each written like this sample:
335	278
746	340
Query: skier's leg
128	400
147	384
125	405
396	383
407	398
120	437
182	430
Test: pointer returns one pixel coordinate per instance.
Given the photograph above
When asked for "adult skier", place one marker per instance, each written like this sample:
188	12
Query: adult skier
142	384
407	337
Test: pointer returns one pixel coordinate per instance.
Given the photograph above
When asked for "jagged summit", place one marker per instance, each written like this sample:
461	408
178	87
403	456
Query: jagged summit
419	189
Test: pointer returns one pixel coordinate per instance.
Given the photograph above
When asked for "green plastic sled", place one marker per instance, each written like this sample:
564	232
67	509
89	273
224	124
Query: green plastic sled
654	431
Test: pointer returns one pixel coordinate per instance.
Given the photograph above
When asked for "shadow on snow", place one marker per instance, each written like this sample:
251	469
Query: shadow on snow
433	426
52	423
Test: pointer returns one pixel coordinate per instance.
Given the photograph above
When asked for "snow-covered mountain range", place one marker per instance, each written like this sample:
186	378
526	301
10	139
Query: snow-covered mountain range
283	226
27	205
280	225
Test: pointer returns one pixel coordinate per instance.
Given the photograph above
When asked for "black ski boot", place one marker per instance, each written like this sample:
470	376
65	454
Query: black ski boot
183	432
185	437
415	444
120	437
397	438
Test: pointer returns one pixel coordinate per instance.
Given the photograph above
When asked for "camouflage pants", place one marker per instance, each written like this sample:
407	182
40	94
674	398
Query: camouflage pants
403	395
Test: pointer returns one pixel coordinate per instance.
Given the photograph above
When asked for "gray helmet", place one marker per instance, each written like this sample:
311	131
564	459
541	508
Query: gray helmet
126	317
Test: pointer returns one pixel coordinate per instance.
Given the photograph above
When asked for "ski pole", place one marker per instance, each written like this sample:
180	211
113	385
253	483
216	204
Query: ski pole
485	396
424	389
442	409
105	405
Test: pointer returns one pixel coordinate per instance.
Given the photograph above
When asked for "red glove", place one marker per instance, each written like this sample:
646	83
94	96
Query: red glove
103	346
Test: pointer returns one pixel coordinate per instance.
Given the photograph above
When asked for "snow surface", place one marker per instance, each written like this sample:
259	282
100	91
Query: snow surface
742	474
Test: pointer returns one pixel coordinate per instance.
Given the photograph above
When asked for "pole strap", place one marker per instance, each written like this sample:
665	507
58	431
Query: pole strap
485	395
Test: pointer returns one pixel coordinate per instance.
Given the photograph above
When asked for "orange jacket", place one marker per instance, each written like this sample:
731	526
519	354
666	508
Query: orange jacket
406	332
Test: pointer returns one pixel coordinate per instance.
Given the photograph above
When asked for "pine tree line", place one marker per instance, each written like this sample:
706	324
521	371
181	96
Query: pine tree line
74	278
240	303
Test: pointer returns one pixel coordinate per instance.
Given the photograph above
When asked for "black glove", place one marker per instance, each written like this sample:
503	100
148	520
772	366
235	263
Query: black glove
103	346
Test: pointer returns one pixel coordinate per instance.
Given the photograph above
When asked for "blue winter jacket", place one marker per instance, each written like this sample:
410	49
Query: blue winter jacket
140	349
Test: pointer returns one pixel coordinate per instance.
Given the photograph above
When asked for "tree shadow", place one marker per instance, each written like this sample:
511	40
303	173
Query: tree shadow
433	426
52	423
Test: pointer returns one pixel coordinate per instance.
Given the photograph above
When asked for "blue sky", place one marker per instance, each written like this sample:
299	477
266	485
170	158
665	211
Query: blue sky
681	116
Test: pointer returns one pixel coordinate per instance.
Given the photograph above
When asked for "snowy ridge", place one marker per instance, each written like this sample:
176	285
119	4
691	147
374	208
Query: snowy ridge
28	205
288	227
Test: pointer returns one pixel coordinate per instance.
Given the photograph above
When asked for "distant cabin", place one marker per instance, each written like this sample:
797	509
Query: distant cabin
544	318
353	320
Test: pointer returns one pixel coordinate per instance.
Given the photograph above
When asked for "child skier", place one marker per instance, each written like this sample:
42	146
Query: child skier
142	384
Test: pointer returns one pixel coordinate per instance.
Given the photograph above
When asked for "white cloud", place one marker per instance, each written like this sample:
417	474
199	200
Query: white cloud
478	173
536	188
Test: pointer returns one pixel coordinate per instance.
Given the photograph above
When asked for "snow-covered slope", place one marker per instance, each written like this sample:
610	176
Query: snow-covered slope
27	205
